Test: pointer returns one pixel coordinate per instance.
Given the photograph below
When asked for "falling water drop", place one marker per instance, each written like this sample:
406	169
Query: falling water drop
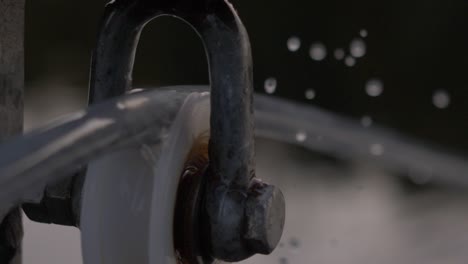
294	242
350	61
374	87
270	85
357	48
441	99
318	51
376	149
310	94
294	44
366	121
301	136
363	33
339	54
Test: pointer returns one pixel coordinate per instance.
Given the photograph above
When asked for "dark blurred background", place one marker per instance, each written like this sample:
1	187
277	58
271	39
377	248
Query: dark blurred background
416	50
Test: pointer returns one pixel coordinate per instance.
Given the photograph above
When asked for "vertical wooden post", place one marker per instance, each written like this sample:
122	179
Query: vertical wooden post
11	111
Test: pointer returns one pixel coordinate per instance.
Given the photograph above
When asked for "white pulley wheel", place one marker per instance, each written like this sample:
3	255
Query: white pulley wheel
129	196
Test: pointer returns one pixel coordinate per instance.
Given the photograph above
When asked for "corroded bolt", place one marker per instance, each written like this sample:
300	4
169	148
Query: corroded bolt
248	223
265	216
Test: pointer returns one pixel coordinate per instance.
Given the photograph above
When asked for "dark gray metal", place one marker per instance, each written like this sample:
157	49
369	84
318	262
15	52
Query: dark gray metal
11	111
57	205
231	142
263	209
228	51
232	124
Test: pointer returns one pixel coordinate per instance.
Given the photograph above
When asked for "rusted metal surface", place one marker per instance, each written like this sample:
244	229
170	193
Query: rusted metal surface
11	111
188	217
232	123
231	167
228	51
264	210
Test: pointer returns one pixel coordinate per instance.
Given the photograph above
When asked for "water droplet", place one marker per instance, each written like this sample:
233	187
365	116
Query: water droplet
283	260
294	44
441	99
374	87
294	242
350	61
357	48
339	54
301	136
310	94
363	33
376	149
270	85
318	51
366	121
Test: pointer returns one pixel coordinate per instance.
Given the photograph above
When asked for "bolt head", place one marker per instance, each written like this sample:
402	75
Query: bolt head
265	216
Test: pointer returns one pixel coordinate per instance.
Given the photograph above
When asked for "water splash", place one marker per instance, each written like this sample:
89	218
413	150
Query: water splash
294	44
358	48
270	85
374	87
363	33
350	61
310	94
366	121
318	51
301	136
294	242
339	54
441	99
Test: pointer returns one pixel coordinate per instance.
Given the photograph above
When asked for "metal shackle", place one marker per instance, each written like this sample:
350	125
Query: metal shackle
243	215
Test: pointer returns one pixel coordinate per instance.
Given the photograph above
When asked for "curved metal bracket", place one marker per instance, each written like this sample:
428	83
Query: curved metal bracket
242	216
230	65
232	125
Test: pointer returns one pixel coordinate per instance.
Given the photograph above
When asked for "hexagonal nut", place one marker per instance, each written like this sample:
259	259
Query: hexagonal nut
60	202
265	216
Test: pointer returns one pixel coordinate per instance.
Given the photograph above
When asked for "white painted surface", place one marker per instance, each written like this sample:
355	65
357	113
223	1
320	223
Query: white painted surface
129	195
